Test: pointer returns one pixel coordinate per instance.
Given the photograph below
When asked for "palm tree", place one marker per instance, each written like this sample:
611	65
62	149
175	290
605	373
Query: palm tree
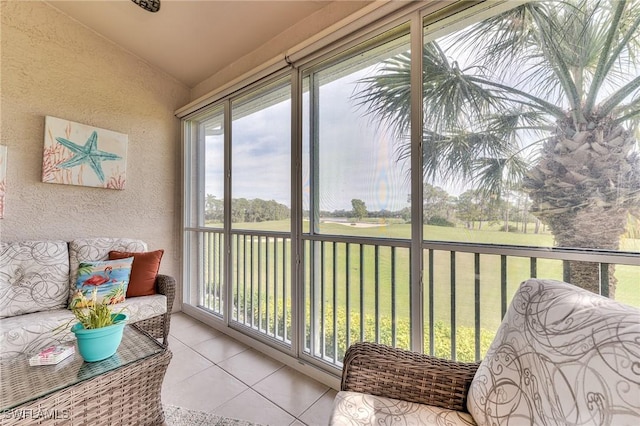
544	97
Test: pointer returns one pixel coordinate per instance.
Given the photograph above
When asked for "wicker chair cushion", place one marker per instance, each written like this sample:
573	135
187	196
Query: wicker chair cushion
562	355
354	408
34	277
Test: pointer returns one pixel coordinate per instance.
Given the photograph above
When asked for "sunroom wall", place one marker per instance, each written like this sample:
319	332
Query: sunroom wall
54	66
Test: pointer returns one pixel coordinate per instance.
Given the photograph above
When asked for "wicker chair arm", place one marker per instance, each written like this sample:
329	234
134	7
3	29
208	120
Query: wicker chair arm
166	285
409	376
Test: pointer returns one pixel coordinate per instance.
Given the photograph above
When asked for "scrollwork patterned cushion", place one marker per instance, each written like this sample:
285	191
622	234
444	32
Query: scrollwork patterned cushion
360	409
27	334
34	277
96	249
562	356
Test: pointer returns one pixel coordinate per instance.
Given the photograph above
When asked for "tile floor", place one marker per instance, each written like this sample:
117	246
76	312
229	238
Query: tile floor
212	372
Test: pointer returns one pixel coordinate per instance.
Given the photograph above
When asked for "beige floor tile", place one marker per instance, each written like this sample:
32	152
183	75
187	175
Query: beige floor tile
180	321
204	391
195	334
291	390
175	345
253	407
184	364
250	366
318	414
219	348
297	422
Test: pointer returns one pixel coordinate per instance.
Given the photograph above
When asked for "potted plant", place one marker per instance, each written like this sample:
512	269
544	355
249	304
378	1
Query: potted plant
99	330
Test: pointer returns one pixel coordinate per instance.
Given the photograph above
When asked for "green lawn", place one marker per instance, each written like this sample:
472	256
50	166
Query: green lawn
390	291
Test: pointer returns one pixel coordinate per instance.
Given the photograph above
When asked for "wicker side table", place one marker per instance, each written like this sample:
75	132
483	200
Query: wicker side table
116	391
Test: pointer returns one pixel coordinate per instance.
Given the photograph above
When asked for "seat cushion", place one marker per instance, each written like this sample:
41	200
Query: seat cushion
353	408
143	307
31	332
34	277
562	355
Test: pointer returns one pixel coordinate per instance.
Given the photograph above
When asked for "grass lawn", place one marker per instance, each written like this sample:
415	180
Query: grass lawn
386	291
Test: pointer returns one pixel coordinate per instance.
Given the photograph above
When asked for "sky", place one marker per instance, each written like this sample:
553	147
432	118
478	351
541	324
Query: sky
356	159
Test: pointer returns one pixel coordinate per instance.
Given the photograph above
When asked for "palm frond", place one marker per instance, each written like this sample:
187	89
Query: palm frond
617	97
495	176
605	63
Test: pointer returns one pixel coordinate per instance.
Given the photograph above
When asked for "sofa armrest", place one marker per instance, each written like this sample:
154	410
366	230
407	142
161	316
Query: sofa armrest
409	376
166	285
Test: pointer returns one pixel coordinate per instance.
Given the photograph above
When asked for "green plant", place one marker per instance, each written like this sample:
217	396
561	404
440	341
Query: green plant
92	314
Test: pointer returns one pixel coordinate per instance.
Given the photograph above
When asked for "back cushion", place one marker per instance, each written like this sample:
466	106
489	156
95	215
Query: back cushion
34	277
562	355
96	249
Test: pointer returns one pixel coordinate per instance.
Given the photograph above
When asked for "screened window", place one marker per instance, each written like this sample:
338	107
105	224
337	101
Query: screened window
261	159
353	182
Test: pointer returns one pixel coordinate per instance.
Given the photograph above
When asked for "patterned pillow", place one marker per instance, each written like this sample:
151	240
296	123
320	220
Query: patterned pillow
34	277
562	356
143	271
108	278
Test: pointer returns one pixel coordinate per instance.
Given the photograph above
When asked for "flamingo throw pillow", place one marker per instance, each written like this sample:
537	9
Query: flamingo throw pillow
109	278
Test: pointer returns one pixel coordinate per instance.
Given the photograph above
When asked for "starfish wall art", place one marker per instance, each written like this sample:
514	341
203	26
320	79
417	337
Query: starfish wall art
77	154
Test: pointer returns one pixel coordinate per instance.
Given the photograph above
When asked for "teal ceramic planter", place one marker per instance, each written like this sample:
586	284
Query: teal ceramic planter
99	343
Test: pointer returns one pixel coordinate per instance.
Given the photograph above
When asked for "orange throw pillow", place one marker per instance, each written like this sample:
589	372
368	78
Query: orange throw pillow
143	271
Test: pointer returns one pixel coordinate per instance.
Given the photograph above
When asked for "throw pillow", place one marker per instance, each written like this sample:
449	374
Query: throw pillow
143	271
108	278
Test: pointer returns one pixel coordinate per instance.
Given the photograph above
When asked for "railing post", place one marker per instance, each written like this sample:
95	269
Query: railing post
604	279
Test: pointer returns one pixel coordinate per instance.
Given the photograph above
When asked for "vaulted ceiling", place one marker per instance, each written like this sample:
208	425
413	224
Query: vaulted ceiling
191	39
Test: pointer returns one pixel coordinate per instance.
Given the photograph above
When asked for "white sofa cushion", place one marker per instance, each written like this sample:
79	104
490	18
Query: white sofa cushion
562	355
31	332
96	249
142	307
34	277
354	408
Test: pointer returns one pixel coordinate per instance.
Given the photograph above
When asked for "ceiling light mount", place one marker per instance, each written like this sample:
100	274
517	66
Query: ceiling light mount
149	5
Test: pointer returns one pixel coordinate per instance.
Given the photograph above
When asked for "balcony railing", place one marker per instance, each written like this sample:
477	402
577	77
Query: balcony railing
360	289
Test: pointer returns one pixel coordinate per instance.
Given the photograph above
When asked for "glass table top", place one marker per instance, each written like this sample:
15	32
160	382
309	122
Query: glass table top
21	383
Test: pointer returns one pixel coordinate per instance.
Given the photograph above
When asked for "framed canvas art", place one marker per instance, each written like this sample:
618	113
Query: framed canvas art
78	154
3	177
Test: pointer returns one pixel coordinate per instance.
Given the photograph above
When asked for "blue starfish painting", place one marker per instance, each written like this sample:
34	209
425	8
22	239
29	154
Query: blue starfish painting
79	154
89	154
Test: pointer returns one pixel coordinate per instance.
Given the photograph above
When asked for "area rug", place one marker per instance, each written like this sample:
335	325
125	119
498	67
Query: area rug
178	416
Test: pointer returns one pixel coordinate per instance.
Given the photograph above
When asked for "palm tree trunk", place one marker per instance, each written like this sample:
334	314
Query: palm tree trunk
584	186
592	227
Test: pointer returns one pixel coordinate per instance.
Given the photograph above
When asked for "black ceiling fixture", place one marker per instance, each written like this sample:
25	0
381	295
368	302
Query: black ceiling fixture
150	5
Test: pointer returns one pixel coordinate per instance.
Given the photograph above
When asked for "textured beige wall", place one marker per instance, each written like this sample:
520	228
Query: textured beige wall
51	65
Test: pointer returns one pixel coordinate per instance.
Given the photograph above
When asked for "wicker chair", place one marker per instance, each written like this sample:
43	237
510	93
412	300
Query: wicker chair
562	355
159	326
409	376
382	384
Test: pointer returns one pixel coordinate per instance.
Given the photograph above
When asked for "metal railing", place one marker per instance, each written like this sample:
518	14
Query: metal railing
261	283
360	289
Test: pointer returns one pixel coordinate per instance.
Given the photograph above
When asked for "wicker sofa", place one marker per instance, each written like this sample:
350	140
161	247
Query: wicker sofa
561	356
37	279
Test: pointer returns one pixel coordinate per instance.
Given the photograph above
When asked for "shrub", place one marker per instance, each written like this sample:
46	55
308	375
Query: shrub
465	336
440	221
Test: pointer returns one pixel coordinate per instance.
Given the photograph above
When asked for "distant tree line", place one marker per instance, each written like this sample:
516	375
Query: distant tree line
244	210
472	209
